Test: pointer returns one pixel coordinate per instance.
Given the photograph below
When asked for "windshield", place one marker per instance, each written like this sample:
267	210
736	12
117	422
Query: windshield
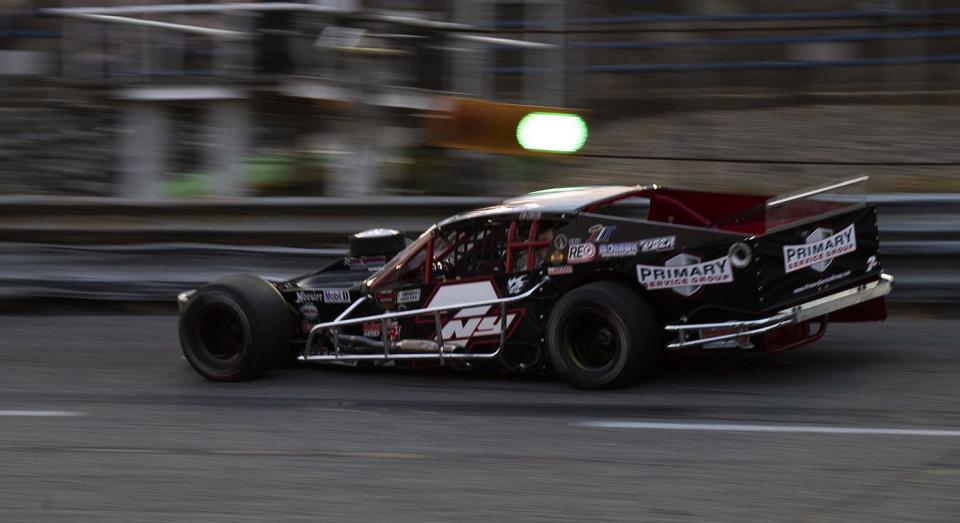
406	264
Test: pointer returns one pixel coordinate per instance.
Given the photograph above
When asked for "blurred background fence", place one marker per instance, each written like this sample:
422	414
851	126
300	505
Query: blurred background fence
127	251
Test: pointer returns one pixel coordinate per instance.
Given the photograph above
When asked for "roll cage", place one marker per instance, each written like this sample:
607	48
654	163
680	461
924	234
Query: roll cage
466	249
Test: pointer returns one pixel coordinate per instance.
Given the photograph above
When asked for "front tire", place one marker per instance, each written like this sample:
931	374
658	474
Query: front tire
235	328
602	335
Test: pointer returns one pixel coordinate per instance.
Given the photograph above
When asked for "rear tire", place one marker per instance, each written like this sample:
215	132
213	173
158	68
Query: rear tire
602	335
235	328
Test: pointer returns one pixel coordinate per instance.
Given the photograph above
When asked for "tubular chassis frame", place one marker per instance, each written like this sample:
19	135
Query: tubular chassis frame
343	321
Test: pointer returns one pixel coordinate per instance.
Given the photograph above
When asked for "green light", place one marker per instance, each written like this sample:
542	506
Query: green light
552	132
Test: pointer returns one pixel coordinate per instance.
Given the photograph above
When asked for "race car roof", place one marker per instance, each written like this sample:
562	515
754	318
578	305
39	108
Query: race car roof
549	201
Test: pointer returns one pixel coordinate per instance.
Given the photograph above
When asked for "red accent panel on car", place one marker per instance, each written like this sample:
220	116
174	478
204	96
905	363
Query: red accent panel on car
708	209
701	209
873	310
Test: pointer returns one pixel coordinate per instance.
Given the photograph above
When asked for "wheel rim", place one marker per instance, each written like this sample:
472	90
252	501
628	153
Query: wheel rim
220	331
591	341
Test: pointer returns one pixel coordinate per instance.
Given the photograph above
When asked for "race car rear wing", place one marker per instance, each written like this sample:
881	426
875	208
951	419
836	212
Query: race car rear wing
781	211
779	201
751	214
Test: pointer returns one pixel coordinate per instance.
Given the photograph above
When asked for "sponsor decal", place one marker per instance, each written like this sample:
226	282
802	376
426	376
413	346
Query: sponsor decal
528	215
408	296
309	297
556	257
871	263
560	271
462	328
685	274
600	232
581	253
365	263
472	323
336	296
663	243
821	247
323	295
309	311
393	330
371	329
618	250
386	297
560	242
622	249
516	284
824	281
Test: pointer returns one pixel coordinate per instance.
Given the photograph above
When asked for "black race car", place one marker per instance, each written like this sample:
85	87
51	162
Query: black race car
595	283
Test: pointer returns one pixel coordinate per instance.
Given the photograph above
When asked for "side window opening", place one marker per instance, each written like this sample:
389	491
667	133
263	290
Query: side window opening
471	251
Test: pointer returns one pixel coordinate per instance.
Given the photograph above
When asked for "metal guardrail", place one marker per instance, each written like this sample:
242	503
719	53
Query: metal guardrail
124	250
326	221
288	222
788	16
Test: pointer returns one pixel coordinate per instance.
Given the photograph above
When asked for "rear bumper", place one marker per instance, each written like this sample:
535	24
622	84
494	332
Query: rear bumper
793	315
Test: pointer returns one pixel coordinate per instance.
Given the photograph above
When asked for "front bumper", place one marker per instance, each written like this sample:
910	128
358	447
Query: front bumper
793	315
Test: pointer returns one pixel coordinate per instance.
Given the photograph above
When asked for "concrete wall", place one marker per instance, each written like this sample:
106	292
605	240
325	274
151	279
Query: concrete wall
55	146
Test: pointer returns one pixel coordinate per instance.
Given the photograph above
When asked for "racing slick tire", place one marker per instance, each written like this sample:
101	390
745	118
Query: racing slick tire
602	335
235	328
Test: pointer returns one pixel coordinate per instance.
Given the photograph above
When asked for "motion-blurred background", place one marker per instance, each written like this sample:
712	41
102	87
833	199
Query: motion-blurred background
126	128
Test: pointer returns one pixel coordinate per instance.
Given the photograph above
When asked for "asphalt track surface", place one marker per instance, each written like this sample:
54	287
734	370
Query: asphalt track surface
101	420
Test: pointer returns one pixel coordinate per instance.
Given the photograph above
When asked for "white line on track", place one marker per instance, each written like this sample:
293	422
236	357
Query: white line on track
797	429
40	413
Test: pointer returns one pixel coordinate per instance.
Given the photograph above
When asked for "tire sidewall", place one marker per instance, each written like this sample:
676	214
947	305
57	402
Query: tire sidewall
566	362
626	312
265	320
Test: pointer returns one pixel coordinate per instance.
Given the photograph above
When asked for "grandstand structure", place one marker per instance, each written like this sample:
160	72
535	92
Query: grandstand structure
202	86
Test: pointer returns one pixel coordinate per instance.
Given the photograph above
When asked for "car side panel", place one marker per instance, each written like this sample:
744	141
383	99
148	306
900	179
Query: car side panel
680	269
